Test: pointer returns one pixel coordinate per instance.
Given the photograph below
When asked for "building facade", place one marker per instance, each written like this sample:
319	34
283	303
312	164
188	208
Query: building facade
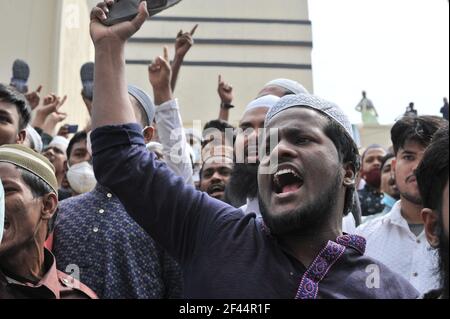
248	42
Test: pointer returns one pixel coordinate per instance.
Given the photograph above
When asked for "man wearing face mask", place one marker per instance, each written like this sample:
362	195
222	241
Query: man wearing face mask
371	197
398	239
80	173
117	258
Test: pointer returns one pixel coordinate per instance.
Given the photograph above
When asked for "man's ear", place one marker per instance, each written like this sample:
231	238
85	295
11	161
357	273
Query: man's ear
430	220
148	132
49	206
349	175
394	166
21	137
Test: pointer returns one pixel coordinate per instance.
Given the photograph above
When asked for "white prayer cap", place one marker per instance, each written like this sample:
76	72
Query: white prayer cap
329	109
35	139
267	102
60	143
292	86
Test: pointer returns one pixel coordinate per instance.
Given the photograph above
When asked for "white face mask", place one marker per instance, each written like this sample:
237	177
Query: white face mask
81	178
2	210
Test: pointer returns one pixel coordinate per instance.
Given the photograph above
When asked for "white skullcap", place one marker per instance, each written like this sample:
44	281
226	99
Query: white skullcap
267	102
60	143
329	109
35	139
289	85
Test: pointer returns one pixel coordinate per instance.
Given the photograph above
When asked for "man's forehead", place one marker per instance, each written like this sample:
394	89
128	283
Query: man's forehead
412	146
376	152
255	115
8	107
301	117
218	163
80	144
8	172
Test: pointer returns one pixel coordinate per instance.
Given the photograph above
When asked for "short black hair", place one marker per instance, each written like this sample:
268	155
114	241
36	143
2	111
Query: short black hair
80	136
371	147
219	125
419	129
432	173
10	95
39	188
348	153
386	158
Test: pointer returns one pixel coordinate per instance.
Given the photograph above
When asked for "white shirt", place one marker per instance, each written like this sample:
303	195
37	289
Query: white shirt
173	139
349	224
251	207
390	241
2	210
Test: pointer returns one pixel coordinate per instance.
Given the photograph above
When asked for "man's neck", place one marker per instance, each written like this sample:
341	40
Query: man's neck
27	263
411	212
306	247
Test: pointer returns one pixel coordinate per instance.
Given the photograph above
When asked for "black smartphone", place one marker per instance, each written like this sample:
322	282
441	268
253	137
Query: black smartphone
126	10
73	129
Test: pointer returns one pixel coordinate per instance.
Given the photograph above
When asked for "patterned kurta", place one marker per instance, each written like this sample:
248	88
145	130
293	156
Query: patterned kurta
371	201
115	256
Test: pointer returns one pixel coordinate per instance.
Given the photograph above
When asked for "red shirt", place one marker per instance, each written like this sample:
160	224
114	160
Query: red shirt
54	285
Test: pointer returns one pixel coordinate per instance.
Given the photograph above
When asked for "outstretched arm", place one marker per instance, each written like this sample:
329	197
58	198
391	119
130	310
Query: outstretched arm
183	44
111	104
181	219
225	91
168	119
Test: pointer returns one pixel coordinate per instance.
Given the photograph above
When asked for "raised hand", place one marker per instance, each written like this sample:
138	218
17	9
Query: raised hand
34	97
52	121
160	75
52	104
225	92
160	71
184	42
118	33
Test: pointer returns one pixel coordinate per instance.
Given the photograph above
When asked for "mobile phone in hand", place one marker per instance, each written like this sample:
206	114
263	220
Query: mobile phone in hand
72	129
126	10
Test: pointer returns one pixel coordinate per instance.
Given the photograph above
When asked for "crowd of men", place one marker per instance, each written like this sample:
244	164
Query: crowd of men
134	206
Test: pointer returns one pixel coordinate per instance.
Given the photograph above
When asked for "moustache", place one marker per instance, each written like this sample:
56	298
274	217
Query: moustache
216	187
410	178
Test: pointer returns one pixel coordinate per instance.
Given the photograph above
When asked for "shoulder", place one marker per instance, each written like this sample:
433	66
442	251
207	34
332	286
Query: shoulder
393	285
369	228
366	277
71	286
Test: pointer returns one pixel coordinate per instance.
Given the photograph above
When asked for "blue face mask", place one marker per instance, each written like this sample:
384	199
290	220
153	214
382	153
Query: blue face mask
2	210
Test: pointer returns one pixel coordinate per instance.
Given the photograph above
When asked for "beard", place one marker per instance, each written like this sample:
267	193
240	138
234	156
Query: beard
243	184
444	263
304	219
413	199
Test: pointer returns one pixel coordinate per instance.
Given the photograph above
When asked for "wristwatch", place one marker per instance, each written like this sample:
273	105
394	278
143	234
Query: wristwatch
226	106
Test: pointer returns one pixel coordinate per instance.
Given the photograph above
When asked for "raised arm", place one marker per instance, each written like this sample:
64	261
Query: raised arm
177	216
225	91
111	104
168	119
183	43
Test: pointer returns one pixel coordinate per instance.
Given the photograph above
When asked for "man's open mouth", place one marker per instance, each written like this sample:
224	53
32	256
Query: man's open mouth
218	188
287	181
